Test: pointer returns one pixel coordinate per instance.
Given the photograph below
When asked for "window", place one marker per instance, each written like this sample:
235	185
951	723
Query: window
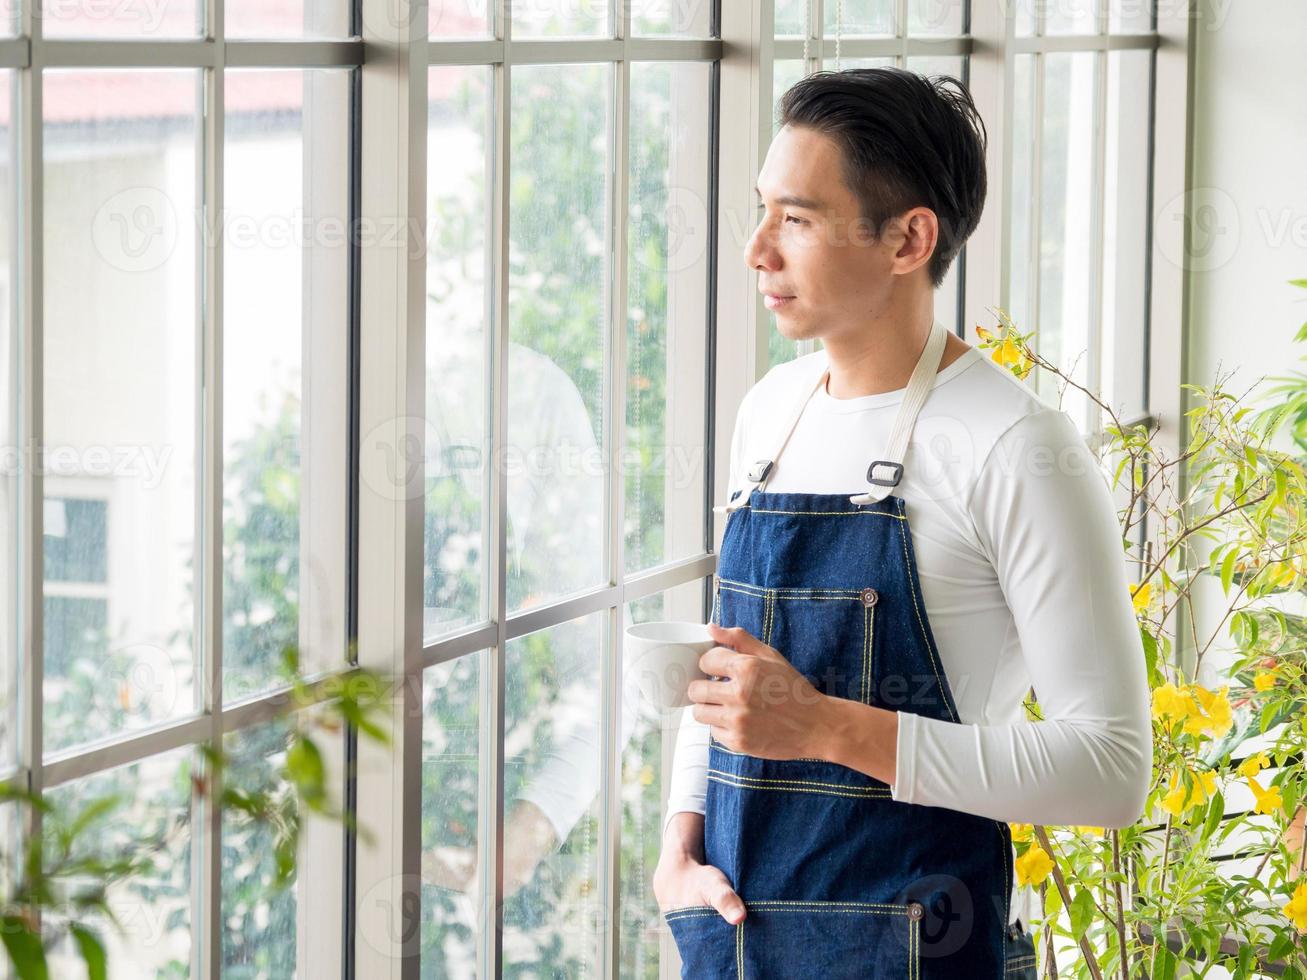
176	326
417	345
1069	177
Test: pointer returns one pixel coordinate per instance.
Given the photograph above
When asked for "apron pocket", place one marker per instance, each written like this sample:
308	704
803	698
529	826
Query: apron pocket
831	940
707	943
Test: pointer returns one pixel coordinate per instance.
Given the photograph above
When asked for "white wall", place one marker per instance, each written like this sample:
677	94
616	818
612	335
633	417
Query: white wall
1250	144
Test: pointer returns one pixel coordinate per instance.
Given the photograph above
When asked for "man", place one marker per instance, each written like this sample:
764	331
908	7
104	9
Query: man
913	538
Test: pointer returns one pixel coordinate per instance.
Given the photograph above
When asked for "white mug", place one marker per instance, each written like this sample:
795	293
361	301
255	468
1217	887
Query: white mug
664	657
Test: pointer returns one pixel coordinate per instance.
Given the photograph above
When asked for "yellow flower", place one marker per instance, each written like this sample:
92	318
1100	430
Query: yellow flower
1139	595
1264	680
1007	352
1219	717
1254	764
1022	831
1033	866
1089	830
1268	800
1172	704
1296	909
1178	800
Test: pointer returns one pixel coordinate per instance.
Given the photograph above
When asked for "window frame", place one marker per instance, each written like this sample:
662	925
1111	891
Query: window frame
390	58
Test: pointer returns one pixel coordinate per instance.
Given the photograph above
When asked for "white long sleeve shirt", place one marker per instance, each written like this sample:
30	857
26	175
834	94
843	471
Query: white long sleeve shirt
1019	557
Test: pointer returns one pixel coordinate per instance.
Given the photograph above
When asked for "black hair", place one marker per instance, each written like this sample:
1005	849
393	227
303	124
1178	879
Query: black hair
907	140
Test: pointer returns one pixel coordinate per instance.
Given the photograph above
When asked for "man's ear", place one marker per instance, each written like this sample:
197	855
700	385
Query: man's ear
915	236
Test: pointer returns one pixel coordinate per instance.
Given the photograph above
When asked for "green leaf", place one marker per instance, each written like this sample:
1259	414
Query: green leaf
1280	945
92	950
24	948
1215	811
1081	912
1227	569
307	770
1163	967
1150	651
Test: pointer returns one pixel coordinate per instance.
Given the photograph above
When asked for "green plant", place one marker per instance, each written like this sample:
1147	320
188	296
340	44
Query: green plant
64	875
1219	527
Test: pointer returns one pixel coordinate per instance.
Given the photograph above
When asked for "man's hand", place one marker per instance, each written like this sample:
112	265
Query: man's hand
763	707
682	879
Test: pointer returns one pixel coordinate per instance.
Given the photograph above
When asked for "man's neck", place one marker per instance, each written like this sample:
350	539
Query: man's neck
881	358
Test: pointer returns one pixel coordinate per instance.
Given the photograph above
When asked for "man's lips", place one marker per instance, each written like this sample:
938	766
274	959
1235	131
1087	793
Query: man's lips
775	301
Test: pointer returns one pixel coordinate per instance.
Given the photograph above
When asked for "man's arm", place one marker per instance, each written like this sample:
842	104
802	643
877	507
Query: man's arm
1043	510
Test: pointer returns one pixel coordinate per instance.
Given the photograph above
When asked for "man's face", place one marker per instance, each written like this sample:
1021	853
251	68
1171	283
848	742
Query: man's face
812	243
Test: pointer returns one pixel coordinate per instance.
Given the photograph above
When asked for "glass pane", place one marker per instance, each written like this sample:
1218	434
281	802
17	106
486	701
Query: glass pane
1131	16
844	64
1066	229
284	372
790	17
946	296
667	302
646	766
286	18
457	431
671	17
120	400
9	432
118	18
258	917
8	18
558	315
784	74
559	18
935	18
150	823
1025	17
859	17
451	815
1072	16
458	18
1125	232
552	919
1021	274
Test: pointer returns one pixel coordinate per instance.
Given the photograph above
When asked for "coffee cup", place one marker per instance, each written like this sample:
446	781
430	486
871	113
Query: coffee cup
663	658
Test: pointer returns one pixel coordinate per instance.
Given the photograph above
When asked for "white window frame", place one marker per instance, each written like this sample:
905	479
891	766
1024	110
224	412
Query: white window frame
393	55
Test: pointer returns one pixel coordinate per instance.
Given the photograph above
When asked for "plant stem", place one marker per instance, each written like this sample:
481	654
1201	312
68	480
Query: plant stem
1120	905
1086	949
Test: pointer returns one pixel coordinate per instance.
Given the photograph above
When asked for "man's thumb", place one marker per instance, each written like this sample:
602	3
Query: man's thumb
725	901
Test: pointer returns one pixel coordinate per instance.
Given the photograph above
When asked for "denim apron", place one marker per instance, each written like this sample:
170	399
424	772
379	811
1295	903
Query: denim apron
838	879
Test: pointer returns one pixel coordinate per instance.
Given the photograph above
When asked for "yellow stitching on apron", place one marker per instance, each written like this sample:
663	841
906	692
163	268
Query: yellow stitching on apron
870	794
914	956
689	910
1005	844
714	744
739	950
907	571
830	513
771	612
866	651
848	908
797	782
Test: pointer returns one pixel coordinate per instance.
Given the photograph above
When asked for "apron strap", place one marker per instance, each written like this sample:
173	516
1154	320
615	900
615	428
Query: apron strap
884	474
762	469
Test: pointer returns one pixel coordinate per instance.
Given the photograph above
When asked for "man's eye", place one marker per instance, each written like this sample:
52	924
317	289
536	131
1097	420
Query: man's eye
788	217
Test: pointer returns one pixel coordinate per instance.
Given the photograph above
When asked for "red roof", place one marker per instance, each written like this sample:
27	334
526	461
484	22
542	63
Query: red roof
87	95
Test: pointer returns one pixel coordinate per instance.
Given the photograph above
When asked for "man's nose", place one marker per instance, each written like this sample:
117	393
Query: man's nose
761	249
